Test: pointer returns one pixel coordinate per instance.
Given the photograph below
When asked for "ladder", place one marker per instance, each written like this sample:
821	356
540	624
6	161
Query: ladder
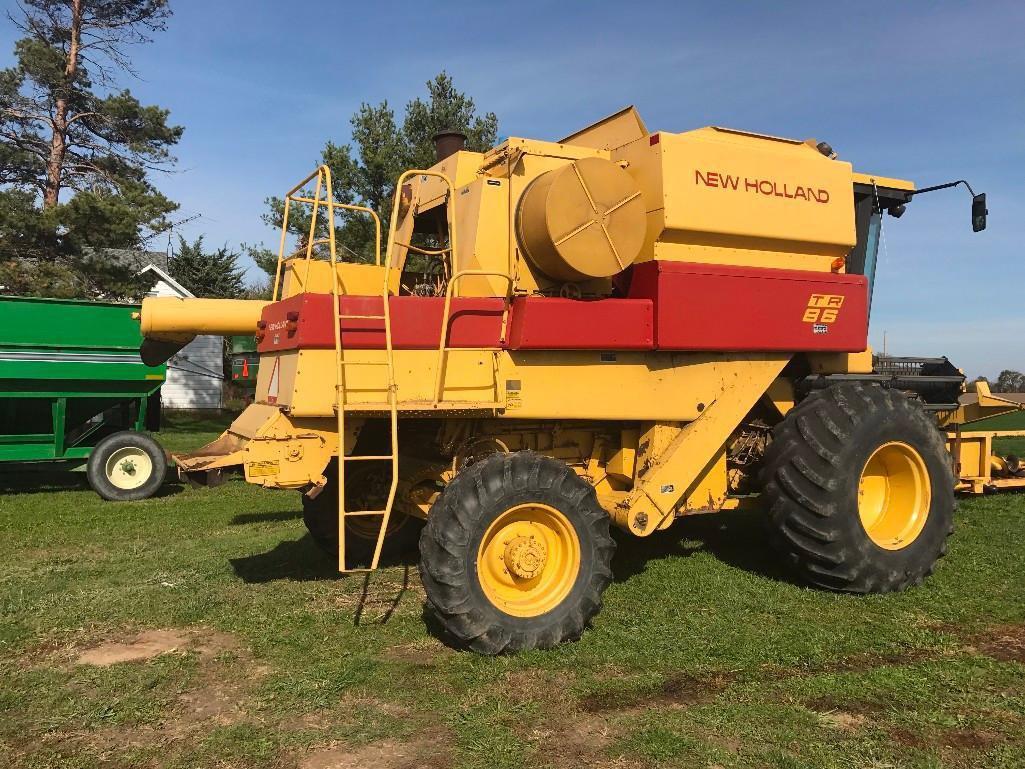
323	197
392	457
342	367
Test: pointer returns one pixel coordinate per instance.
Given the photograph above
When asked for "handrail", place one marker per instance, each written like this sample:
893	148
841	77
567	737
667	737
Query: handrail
393	223
323	177
449	293
452	250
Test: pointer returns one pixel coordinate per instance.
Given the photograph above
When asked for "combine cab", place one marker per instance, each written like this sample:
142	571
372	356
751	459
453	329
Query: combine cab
617	329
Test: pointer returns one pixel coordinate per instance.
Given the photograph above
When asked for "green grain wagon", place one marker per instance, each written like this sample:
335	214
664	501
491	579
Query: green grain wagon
74	390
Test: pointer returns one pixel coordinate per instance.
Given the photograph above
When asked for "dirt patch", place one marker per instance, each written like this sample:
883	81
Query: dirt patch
961	739
861	663
429	751
1006	644
422	653
144	646
827	704
537	685
578	740
152	643
842	720
908	738
969	739
677	691
325	718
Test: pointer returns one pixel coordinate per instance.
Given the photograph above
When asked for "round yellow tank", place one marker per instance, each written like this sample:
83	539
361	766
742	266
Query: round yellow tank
581	221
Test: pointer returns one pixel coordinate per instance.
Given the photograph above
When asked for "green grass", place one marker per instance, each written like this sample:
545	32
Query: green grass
704	655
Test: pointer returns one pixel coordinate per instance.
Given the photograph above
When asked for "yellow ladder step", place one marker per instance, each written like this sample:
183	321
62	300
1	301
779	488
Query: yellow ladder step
366	457
361	317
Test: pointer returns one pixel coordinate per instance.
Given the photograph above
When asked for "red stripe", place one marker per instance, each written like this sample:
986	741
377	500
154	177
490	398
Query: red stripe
549	323
718	307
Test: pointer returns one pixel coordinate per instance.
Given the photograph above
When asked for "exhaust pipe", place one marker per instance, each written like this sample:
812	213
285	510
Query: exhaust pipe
447	143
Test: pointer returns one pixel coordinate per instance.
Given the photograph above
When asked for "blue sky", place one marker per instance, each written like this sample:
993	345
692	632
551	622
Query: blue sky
926	91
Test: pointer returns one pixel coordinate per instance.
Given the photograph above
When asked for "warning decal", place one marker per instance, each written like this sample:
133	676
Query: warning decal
274	386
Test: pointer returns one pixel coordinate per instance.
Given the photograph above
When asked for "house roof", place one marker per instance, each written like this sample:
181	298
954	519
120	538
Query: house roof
162	275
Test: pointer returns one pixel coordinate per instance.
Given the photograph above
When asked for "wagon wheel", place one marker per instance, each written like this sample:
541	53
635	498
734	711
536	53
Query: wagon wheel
126	466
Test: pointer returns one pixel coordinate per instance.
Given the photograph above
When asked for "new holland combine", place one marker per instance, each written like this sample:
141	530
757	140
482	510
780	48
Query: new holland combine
617	329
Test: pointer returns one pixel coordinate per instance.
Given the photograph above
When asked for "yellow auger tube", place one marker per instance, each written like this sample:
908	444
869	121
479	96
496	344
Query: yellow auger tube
166	317
168	323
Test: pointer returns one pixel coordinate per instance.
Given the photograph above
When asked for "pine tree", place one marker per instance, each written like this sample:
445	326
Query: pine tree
216	274
66	126
366	171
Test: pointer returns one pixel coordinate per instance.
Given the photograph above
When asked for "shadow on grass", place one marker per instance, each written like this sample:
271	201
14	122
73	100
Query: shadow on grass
301	560
733	537
39	481
50	481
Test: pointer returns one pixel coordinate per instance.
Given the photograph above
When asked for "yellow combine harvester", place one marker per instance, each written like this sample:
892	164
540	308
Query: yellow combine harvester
620	328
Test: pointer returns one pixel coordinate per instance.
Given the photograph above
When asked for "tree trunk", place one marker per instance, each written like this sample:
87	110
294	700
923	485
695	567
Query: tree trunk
59	139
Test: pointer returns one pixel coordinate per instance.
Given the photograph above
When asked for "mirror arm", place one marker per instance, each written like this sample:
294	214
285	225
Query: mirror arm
942	187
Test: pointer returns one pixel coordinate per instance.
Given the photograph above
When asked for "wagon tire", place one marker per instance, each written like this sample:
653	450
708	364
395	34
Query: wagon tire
859	489
515	555
126	467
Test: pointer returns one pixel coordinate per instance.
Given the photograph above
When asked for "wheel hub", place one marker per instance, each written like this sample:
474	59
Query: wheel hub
525	557
894	496
129	468
529	559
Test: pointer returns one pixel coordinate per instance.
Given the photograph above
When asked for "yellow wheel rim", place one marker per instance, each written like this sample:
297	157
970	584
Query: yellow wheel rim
894	495
528	560
129	468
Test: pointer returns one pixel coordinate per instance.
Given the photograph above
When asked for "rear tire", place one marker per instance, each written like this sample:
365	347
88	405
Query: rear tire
516	554
126	467
364	491
859	489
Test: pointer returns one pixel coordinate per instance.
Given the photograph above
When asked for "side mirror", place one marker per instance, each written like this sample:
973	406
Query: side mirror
979	212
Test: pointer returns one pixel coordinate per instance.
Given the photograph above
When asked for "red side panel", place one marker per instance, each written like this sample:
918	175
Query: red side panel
717	307
548	323
416	322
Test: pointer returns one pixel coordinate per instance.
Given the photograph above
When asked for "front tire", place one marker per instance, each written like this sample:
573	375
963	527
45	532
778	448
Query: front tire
516	554
126	467
859	489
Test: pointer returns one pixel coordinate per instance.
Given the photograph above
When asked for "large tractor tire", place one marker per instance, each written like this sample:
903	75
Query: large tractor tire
859	489
366	488
126	467
516	554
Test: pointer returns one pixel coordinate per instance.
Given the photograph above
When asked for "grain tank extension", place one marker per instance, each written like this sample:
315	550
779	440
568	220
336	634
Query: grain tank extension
617	329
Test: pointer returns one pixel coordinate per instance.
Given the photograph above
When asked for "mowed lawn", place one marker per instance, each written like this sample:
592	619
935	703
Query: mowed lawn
203	628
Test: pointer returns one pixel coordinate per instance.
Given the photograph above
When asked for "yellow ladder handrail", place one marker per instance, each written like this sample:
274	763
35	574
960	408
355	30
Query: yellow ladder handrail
452	250
449	293
323	176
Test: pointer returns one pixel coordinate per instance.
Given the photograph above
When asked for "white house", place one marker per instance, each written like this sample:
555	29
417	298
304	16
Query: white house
195	375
